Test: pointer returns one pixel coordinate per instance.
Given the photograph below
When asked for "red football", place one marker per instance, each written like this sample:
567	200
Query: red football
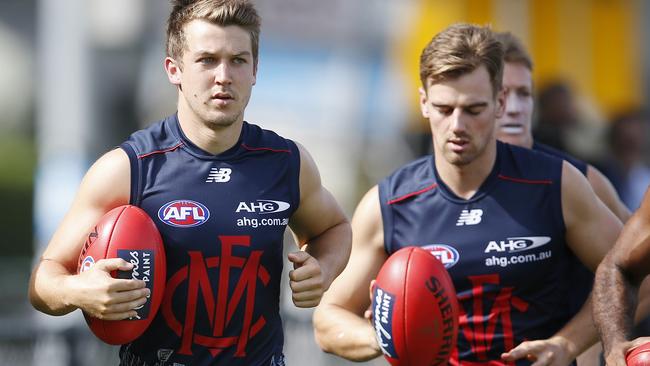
639	356
415	310
127	232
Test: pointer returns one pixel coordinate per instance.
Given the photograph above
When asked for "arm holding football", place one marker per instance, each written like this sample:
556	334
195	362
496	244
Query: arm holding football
339	323
55	287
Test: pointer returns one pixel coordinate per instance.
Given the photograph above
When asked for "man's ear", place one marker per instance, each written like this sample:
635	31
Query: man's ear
500	103
424	108
173	70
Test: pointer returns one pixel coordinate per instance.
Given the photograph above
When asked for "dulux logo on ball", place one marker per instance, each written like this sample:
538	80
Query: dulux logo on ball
183	213
143	261
382	315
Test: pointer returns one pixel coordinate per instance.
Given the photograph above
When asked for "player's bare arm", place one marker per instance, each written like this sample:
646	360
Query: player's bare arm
607	193
339	323
55	288
323	232
616	285
591	228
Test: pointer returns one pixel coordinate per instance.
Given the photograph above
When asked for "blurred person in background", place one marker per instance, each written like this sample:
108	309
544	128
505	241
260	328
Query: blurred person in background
627	166
477	196
208	153
557	114
515	127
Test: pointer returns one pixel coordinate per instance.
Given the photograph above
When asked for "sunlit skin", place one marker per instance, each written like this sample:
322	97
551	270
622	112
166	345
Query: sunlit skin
461	114
514	127
215	75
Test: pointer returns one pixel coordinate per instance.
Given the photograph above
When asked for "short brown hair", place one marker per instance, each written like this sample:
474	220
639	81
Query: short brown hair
221	12
514	50
460	49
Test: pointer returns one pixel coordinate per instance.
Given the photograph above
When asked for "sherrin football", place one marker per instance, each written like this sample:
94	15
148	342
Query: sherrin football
127	232
639	356
415	310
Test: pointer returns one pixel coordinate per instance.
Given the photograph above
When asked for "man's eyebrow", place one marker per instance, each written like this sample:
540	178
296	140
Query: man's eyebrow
477	104
471	105
211	53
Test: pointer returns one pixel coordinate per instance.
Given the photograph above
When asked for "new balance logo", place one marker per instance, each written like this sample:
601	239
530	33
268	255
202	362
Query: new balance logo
219	175
470	217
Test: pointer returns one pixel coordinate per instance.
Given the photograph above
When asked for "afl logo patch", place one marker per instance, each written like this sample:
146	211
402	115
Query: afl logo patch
86	264
446	254
183	213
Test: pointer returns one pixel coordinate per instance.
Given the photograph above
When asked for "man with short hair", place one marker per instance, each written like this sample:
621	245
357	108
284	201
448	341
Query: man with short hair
510	261
515	127
221	305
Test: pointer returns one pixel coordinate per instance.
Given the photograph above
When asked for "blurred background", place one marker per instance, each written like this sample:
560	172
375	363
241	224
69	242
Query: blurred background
341	77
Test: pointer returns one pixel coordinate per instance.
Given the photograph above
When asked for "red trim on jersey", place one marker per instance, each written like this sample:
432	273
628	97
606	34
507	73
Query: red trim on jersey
263	148
402	198
526	181
161	151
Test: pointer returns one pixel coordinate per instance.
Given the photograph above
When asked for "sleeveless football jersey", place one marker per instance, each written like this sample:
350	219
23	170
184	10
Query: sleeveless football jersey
579	164
222	219
581	277
504	247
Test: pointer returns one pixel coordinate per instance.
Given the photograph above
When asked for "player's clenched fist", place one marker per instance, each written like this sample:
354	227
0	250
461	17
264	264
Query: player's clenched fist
306	280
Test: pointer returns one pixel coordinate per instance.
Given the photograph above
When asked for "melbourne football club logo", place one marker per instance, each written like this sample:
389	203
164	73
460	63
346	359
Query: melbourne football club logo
446	254
183	213
382	315
220	292
470	217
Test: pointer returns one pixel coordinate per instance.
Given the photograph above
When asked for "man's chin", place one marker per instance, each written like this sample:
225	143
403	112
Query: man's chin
223	120
459	159
511	131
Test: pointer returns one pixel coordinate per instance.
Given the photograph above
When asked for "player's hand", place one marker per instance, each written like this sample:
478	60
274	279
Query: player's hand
618	351
548	352
104	297
306	280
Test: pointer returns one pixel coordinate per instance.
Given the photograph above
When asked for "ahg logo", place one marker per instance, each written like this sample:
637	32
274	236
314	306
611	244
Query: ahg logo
382	313
469	217
220	308
263	206
518	244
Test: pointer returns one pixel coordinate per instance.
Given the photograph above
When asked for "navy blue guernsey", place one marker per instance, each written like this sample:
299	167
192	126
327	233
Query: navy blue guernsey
581	277
504	247
222	219
579	164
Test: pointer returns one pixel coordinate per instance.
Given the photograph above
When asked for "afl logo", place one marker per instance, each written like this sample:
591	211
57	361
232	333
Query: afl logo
183	213
446	254
86	264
